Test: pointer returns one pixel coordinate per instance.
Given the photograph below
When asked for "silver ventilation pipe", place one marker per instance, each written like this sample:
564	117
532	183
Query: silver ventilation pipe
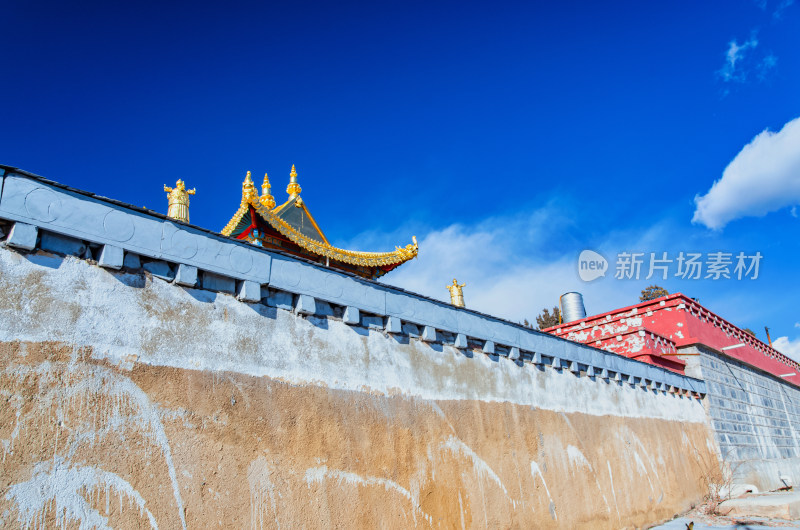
571	307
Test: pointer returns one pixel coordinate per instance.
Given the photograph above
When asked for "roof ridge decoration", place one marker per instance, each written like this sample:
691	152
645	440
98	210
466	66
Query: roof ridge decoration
293	189
268	212
266	197
248	188
178	198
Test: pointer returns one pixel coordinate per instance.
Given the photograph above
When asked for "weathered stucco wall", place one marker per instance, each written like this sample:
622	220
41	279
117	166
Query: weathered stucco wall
131	401
755	417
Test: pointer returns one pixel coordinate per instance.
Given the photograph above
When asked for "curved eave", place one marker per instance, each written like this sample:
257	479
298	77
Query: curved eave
352	257
237	217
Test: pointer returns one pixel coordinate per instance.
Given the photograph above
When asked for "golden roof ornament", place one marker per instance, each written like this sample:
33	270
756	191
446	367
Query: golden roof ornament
456	293
285	229
293	189
178	198
248	189
266	196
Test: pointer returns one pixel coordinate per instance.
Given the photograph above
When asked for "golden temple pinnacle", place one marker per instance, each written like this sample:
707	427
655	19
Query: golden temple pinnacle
293	189
266	197
456	292
248	189
178	198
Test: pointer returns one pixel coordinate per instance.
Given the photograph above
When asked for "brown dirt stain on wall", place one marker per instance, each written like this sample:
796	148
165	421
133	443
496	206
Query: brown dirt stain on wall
86	441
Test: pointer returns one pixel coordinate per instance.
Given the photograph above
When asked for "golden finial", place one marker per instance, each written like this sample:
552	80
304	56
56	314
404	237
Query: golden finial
248	189
266	197
293	189
178	198
456	293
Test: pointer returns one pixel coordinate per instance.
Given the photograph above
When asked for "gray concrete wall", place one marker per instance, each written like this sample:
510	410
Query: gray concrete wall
755	417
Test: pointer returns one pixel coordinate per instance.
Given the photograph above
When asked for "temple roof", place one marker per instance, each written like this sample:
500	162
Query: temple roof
300	218
293	220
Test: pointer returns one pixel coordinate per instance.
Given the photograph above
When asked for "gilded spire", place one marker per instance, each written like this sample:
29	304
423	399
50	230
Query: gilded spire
266	197
293	189
248	189
178	198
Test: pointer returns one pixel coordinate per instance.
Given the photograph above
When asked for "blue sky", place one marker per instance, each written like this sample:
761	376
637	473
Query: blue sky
506	137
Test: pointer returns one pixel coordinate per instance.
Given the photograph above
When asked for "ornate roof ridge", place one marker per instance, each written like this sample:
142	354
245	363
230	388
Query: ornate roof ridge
352	257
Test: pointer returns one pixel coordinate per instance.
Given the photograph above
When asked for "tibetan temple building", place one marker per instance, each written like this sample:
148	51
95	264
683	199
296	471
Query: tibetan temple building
667	330
290	227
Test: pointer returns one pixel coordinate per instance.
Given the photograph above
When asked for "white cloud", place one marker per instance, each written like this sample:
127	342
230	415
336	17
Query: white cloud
766	65
732	70
790	348
778	14
742	61
509	266
779	9
762	178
